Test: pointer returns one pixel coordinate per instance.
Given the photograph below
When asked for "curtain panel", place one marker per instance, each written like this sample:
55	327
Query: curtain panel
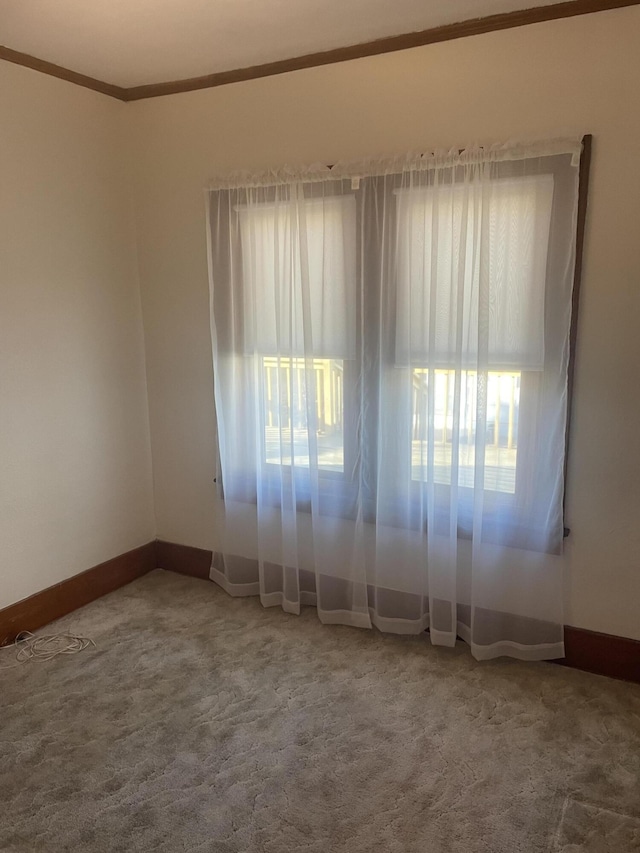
390	346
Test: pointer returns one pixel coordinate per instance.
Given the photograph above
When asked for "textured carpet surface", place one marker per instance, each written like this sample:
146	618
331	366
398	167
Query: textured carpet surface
206	723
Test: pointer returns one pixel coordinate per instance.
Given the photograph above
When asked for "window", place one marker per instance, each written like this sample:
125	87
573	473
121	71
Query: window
298	262
393	344
438	236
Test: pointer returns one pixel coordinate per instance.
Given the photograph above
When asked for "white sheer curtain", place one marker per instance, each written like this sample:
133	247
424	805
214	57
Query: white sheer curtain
390	344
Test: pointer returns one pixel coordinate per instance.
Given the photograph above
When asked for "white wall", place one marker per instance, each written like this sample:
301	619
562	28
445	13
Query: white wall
75	462
576	75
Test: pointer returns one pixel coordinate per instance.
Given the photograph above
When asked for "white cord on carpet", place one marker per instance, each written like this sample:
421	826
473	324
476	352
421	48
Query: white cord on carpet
46	647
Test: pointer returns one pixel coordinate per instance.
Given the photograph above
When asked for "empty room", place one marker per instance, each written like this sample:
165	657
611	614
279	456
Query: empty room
319	410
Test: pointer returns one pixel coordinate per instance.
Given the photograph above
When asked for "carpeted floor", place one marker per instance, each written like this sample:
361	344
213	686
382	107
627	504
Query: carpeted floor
206	723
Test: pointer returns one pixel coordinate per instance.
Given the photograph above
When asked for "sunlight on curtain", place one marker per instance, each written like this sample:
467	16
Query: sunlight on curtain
390	344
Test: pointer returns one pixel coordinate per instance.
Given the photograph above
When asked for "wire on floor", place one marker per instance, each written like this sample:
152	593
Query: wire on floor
28	646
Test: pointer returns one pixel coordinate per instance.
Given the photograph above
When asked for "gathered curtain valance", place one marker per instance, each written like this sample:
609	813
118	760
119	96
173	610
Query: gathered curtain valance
416	161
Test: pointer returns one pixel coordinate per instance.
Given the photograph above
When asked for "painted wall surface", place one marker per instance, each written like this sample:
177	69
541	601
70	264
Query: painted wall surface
580	75
75	461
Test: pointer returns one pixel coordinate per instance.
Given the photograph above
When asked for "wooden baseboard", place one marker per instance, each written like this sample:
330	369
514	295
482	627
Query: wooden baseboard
183	559
68	595
603	654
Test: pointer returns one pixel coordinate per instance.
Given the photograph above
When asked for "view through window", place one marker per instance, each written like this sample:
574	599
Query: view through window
295	392
500	428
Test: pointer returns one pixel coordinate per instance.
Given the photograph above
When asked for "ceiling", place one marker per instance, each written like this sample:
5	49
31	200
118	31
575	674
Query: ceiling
136	42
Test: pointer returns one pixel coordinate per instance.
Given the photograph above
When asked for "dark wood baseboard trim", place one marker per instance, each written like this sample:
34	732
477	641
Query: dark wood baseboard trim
449	32
603	654
183	559
68	595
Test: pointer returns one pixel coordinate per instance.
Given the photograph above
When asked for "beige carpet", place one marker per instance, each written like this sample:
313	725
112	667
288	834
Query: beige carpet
206	723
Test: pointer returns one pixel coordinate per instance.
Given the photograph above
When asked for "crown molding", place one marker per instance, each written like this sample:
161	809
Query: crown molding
53	70
448	32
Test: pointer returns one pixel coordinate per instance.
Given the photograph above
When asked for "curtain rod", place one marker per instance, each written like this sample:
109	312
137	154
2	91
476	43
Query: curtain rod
441	158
